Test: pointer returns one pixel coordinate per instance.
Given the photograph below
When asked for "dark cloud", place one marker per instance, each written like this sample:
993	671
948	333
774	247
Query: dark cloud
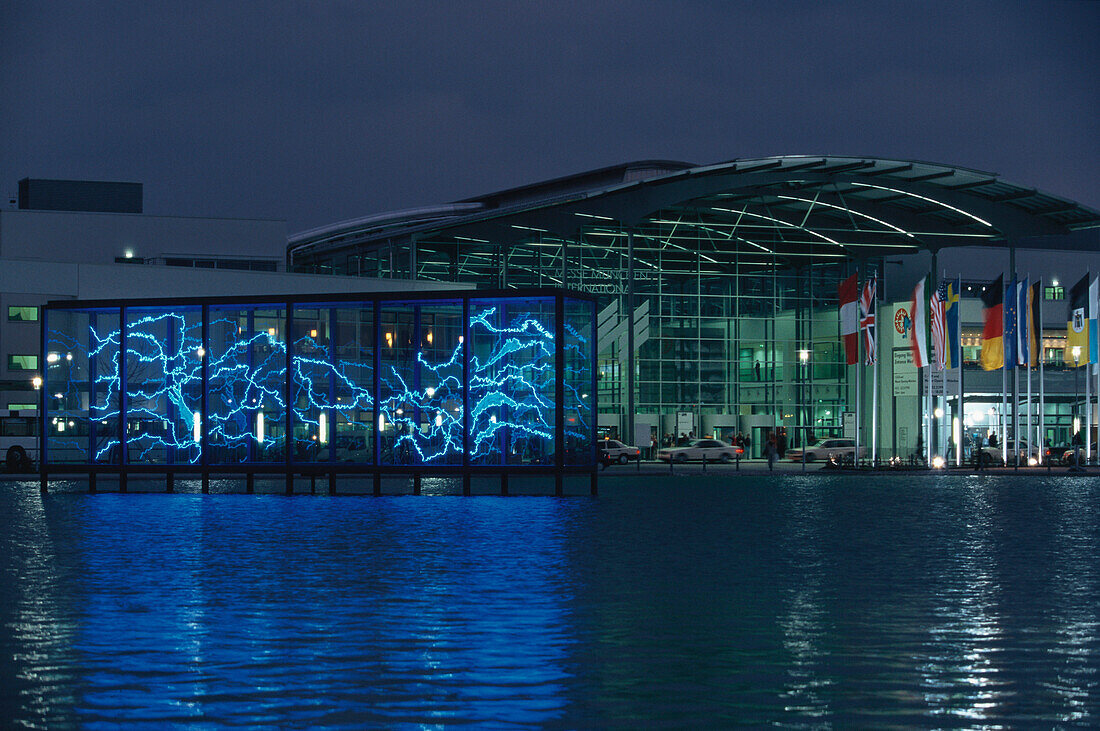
315	112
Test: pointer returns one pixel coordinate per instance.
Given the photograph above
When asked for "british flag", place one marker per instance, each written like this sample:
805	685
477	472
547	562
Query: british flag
867	319
939	326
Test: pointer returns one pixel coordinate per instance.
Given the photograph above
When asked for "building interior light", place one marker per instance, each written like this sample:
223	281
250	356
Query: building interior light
322	428
259	427
36	382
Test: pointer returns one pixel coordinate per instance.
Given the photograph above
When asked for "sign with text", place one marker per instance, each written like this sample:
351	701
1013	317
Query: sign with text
905	373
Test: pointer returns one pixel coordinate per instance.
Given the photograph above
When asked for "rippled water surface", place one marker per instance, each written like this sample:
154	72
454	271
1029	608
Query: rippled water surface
803	601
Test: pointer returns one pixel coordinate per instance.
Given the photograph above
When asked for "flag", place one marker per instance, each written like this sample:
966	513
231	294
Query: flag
1077	323
1012	320
1023	321
1035	314
1094	294
847	293
993	353
938	326
867	319
918	333
954	342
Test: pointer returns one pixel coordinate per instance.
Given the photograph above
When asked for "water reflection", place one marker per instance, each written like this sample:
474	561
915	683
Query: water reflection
793	602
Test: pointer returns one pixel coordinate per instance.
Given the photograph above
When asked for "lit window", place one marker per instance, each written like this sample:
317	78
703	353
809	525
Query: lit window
1054	293
22	362
23	407
22	314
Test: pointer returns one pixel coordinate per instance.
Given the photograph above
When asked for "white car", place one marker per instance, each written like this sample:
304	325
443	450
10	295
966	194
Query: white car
713	450
612	450
826	449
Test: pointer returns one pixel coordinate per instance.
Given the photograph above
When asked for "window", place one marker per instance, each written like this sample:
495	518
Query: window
22	314
22	407
1054	293
22	362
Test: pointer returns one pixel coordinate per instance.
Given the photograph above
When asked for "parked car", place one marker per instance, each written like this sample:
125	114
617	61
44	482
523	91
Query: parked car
612	450
713	450
826	449
988	456
1068	457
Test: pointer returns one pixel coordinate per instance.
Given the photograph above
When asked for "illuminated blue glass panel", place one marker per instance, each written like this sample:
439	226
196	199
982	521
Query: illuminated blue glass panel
163	385
420	384
81	384
512	363
246	397
577	394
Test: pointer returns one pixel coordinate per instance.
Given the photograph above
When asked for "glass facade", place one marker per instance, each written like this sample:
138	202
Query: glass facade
419	382
741	338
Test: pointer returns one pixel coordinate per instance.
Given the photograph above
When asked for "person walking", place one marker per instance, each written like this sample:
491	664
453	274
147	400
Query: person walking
771	451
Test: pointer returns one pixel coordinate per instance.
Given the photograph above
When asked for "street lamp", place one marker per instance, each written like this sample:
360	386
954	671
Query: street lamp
803	360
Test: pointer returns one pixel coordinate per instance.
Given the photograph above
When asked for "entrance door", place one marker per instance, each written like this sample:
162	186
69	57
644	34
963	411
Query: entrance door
759	438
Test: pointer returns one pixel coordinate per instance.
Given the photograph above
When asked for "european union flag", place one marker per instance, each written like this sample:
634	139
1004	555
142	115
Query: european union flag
1011	309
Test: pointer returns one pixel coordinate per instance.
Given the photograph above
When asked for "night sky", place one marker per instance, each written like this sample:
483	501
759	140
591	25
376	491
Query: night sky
317	112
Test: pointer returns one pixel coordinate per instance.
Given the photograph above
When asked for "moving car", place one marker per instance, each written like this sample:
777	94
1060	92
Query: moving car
826	449
713	450
612	450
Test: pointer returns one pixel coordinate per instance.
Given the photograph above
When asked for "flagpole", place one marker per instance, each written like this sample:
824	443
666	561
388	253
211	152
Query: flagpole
1029	305
1042	389
874	377
959	365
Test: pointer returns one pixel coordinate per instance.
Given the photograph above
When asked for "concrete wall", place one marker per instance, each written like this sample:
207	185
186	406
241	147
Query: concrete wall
98	238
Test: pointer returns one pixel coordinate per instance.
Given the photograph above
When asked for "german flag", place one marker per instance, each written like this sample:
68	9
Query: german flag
993	347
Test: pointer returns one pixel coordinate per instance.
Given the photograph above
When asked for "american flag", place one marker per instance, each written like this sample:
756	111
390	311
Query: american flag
867	320
939	326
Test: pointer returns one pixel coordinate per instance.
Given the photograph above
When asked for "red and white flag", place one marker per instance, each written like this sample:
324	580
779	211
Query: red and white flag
867	319
918	331
848	293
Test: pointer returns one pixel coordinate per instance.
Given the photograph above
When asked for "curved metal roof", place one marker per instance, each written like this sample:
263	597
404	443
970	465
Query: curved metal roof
788	206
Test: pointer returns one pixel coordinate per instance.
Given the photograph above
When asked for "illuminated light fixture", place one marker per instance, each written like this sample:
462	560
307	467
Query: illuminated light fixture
72	424
938	412
271	331
804	356
938	462
930	200
1054	282
848	210
200	352
1032	461
196	427
1076	424
313	333
259	427
400	412
61	426
129	253
389	340
439	419
59	395
68	356
461	339
381	422
956	433
52	358
584	395
493	419
322	428
429	337
36	382
530	228
429	391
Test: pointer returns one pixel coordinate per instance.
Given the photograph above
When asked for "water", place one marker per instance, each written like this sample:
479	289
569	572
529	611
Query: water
800	601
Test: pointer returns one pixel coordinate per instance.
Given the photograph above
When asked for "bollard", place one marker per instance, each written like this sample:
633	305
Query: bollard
593	487
704	462
737	461
416	484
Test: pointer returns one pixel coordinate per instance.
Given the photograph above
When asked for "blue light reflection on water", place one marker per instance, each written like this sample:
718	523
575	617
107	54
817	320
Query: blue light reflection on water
806	601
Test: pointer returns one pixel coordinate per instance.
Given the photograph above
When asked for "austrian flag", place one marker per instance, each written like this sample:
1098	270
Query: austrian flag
848	294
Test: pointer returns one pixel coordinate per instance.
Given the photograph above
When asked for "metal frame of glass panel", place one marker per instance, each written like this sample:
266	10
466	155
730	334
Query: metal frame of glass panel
459	382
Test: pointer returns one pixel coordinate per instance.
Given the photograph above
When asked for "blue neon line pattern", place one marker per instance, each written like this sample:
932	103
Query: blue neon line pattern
421	400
